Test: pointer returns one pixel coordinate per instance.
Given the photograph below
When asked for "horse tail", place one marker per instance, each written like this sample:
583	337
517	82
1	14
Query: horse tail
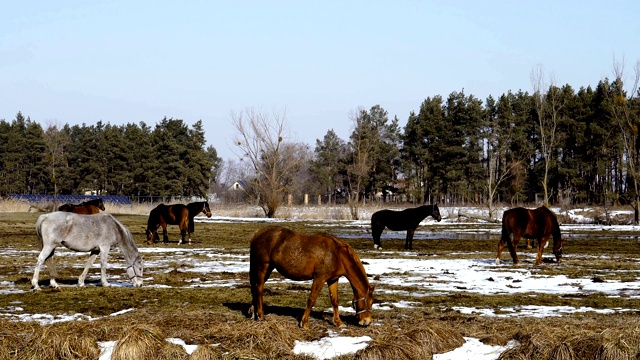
49	261
506	231
39	240
191	224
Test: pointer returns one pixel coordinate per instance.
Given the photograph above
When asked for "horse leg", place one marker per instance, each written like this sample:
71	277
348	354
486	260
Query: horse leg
87	265
376	231
529	244
258	275
333	296
184	235
501	245
104	255
512	244
165	236
408	244
45	254
542	243
316	286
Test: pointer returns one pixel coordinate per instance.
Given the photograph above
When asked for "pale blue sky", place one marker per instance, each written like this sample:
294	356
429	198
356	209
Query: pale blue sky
130	61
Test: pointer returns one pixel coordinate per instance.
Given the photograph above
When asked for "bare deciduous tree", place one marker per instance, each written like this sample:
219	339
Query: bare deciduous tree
547	107
56	140
625	112
262	141
360	148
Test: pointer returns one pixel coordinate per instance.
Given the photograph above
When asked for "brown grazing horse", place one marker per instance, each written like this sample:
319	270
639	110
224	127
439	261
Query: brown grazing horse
407	219
177	214
539	224
322	258
163	215
87	207
196	208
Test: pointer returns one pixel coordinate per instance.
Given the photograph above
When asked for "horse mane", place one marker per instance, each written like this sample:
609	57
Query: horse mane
349	250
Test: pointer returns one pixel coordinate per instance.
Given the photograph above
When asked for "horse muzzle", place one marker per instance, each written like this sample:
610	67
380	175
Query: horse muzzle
366	321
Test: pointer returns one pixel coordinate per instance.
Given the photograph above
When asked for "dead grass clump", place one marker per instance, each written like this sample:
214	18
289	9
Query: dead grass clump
59	342
435	337
562	351
272	338
171	351
383	349
419	341
207	352
531	345
139	342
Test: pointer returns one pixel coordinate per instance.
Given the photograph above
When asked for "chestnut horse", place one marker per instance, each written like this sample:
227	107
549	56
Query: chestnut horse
538	224
322	258
177	214
87	207
407	219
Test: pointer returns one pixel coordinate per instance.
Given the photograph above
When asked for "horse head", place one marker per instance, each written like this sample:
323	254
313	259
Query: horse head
101	204
435	213
206	210
152	236
557	250
363	307
134	272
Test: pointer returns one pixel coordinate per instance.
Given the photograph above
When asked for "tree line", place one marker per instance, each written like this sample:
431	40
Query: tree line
553	145
131	160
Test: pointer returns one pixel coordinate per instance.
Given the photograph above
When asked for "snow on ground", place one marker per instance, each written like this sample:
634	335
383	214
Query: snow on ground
422	276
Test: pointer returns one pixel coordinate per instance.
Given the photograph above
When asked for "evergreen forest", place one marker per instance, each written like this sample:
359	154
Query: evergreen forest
554	145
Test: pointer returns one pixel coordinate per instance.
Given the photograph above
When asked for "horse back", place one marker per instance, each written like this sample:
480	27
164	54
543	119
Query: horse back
78	232
392	219
540	222
296	256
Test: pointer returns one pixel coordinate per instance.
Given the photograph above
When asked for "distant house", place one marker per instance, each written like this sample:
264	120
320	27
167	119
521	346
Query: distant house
238	185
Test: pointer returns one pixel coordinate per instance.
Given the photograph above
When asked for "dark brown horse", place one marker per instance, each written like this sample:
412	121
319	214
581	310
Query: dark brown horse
322	258
196	208
163	215
177	214
537	224
87	207
407	219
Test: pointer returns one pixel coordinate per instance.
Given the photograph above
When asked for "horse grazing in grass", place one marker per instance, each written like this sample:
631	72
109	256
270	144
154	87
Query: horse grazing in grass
87	207
538	224
196	208
95	234
177	214
322	258
407	219
163	215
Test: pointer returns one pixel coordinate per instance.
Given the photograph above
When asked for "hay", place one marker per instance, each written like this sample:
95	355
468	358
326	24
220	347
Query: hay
170	351
74	343
382	350
562	351
207	352
139	342
435	337
419	341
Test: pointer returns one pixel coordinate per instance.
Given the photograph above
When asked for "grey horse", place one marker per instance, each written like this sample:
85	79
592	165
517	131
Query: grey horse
96	234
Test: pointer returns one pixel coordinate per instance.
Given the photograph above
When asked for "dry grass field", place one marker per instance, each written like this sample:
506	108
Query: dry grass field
207	305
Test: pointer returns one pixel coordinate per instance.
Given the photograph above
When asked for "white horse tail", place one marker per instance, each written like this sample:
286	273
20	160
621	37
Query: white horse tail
40	241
